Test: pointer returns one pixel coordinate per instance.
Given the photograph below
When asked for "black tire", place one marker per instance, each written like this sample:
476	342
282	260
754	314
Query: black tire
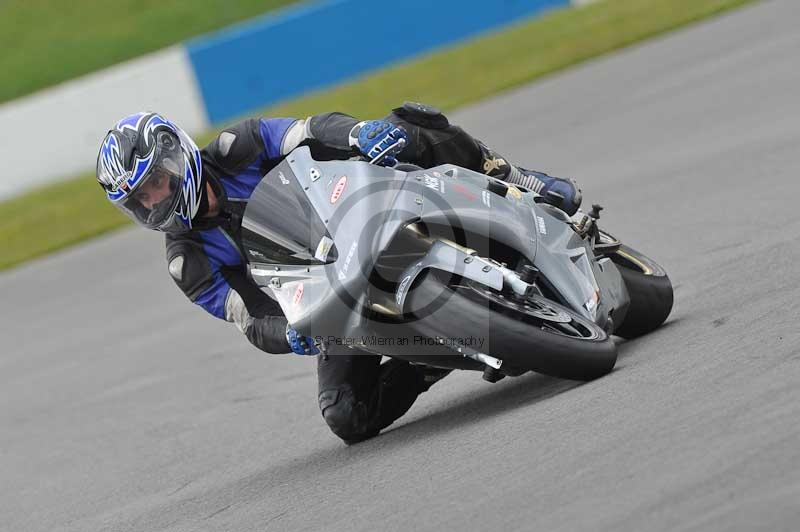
443	308
650	291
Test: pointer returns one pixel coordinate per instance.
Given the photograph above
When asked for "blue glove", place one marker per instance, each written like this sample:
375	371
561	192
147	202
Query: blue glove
302	345
375	137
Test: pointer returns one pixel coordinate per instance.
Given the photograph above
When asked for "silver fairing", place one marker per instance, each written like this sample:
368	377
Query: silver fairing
332	220
361	207
590	285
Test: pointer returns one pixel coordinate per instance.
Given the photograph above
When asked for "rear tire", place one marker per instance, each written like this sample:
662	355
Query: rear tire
650	292
455	309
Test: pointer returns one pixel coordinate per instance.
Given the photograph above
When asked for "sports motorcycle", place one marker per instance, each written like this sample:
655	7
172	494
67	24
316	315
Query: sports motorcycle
446	267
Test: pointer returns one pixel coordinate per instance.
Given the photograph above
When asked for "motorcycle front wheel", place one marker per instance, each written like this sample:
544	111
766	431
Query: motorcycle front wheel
534	334
650	291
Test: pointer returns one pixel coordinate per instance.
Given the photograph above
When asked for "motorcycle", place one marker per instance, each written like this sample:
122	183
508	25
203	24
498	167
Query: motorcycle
446	267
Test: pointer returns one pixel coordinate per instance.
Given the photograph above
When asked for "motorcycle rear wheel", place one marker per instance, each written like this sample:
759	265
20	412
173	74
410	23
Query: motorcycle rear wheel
538	335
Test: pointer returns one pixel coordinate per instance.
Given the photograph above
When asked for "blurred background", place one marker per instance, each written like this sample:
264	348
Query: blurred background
70	71
199	63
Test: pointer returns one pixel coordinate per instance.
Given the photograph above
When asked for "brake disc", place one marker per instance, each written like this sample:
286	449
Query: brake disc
546	312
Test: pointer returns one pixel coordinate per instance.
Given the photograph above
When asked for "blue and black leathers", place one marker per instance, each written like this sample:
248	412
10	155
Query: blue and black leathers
207	262
358	396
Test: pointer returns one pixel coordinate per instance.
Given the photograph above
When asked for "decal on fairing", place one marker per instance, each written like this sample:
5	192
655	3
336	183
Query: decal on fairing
514	192
464	191
323	249
338	189
540	226
347	260
434	183
486	197
298	294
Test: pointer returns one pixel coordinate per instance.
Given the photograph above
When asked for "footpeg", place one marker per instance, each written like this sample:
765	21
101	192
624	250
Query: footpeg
489	360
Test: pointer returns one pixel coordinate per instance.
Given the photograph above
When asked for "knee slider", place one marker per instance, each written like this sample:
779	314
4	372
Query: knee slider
345	416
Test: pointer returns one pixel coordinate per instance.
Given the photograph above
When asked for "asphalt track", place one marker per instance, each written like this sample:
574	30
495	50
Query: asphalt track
123	408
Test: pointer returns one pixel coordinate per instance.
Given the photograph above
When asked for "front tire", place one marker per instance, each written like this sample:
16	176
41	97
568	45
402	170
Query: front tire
547	338
650	292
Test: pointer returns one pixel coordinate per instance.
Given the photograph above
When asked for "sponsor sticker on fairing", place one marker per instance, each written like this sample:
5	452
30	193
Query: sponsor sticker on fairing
298	294
515	192
540	226
434	183
338	189
347	260
323	249
464	191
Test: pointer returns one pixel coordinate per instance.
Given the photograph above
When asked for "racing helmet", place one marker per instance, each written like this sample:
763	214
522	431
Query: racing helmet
151	171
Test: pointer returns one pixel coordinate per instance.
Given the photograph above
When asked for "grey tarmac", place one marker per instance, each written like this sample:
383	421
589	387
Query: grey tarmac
123	408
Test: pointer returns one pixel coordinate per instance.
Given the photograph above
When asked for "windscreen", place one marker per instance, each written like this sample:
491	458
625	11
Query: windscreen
280	225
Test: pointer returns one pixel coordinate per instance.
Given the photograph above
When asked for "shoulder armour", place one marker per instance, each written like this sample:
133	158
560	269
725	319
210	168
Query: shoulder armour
236	147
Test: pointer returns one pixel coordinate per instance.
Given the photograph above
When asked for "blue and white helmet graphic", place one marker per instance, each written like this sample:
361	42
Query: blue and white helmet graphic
151	170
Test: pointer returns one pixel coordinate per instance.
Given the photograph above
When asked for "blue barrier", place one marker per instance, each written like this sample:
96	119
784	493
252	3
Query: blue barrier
315	45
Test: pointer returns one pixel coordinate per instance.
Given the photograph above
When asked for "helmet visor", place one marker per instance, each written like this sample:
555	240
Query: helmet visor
155	196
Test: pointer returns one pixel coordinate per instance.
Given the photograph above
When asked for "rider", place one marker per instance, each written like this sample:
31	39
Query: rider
153	172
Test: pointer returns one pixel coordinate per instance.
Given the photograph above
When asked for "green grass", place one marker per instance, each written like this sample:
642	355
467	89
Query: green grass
44	42
41	221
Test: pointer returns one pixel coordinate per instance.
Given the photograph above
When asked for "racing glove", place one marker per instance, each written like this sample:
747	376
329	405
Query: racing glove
374	137
302	345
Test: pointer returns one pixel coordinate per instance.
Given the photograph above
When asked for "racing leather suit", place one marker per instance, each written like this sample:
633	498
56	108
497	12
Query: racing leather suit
358	396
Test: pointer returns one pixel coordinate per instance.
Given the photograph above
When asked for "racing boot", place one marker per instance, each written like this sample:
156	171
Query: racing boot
562	193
